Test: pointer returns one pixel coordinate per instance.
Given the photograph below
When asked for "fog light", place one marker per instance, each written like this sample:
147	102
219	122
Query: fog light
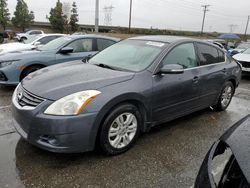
49	139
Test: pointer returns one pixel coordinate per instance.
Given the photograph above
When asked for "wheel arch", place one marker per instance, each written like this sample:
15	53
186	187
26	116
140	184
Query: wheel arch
24	68
134	99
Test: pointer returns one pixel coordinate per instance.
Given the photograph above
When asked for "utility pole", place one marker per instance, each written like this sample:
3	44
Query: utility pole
247	26
130	13
96	16
204	16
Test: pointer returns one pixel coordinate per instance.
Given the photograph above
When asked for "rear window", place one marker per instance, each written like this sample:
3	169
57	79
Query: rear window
209	55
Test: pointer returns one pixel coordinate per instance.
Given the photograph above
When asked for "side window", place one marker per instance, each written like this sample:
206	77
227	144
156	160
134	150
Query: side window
32	33
183	54
103	43
82	45
208	54
221	56
46	40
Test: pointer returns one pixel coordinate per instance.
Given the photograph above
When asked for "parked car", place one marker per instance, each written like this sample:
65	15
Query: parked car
227	164
25	36
240	48
244	59
29	44
219	42
122	91
7	34
17	65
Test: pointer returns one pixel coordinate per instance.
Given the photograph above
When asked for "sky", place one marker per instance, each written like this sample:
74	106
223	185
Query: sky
223	15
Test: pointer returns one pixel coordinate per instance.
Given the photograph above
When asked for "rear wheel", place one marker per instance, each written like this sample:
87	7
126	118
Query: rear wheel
29	70
120	129
225	96
23	39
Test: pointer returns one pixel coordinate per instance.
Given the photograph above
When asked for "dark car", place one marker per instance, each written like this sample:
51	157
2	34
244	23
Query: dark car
122	91
227	163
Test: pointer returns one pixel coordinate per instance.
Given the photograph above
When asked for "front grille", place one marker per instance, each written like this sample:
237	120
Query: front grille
245	64
25	98
3	77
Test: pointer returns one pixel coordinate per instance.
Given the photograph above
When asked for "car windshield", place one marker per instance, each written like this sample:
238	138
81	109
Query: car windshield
31	39
130	55
246	51
56	44
244	46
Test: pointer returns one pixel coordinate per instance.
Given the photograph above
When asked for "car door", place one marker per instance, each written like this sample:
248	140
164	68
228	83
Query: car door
213	72
177	94
81	48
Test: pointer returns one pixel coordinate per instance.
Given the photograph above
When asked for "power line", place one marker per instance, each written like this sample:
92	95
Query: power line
204	16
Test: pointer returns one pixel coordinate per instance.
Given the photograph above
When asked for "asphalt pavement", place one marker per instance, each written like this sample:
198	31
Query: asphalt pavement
168	156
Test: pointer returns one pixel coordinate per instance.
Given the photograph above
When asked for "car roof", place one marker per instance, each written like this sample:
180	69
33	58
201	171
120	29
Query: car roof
161	38
93	36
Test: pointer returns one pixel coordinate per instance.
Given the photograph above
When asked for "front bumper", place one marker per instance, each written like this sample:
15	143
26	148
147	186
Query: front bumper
9	75
60	134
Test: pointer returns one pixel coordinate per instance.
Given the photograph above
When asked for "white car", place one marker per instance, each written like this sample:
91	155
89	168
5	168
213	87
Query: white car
27	35
244	59
29	44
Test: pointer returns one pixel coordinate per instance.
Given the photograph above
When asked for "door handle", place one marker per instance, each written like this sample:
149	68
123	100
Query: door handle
195	79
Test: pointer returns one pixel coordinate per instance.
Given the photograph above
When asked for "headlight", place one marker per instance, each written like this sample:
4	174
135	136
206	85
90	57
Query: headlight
7	63
72	104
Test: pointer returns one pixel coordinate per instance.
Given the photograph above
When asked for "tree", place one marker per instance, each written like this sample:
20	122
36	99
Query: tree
4	14
56	18
74	18
22	17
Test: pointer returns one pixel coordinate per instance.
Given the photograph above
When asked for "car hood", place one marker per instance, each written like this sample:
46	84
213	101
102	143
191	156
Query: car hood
13	47
242	57
21	55
57	81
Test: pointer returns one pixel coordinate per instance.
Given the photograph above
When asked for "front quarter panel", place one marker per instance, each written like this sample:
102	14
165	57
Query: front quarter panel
139	89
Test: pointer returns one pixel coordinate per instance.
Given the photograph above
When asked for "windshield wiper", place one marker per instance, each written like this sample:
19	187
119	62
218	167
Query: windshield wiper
105	66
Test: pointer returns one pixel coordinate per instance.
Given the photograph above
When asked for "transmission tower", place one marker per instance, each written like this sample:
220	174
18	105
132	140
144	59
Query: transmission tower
232	27
108	15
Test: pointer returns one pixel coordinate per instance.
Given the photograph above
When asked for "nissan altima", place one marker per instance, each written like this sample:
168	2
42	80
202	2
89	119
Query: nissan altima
121	92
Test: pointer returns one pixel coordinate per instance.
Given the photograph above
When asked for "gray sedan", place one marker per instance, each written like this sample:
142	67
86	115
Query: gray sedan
16	66
121	92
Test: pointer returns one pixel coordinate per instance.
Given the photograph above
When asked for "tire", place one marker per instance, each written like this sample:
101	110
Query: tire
23	39
117	137
225	97
1	39
29	70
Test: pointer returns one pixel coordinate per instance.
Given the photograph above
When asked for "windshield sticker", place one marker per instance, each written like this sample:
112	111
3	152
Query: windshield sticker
157	44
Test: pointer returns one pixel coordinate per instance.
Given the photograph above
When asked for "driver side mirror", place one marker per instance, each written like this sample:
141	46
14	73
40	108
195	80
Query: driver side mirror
66	50
171	69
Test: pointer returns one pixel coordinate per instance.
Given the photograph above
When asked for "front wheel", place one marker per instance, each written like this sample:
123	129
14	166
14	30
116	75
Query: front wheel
225	97
120	129
29	70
